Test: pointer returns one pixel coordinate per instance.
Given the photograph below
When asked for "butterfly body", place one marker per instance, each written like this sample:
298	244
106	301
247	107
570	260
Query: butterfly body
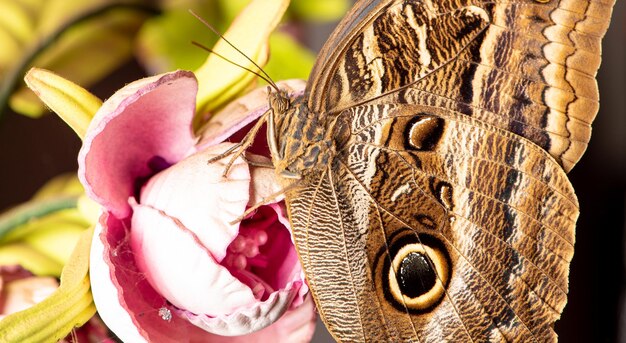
430	151
306	142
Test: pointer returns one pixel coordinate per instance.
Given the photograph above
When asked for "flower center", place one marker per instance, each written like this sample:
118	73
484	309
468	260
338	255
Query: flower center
244	254
243	251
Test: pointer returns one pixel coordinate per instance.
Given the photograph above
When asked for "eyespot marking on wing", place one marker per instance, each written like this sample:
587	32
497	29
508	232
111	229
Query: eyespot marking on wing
423	132
416	273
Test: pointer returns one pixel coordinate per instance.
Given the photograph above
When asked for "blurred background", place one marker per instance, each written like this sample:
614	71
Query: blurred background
33	150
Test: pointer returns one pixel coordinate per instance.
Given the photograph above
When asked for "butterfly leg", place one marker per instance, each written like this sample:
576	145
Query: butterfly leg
258	163
225	153
272	141
239	148
274	197
267	164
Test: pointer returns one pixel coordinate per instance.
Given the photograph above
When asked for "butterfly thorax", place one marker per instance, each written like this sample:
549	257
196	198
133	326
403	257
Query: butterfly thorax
304	140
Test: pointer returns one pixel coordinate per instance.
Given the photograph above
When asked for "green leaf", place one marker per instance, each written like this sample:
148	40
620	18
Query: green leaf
66	37
63	219
164	42
289	59
31	210
220	81
231	8
40	234
320	10
56	234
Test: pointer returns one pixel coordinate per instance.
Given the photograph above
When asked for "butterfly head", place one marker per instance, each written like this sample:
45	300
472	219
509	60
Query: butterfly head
301	141
279	100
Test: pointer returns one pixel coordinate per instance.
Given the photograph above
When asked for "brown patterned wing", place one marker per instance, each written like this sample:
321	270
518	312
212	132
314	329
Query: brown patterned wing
526	66
432	226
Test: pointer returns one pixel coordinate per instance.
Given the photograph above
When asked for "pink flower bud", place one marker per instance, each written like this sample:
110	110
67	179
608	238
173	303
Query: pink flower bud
170	261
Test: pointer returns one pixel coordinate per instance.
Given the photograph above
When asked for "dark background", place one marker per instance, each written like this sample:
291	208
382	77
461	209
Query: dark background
33	151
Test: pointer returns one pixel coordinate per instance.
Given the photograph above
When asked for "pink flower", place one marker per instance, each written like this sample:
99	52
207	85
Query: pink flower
167	265
19	289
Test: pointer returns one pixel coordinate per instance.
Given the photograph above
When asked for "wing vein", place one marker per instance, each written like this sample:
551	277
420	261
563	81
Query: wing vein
345	250
452	302
458	251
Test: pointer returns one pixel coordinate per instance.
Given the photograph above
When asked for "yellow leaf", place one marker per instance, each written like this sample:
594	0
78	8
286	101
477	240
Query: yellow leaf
74	104
56	239
107	39
61	219
71	305
53	236
64	184
16	20
26	212
219	80
89	209
289	60
29	258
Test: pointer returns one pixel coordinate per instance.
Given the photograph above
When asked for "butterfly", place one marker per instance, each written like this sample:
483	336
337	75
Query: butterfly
426	166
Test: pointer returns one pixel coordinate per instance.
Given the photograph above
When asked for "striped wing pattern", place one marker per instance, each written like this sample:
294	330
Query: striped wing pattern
463	117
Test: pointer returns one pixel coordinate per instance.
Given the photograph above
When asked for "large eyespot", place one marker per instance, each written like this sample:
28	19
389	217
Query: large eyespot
412	270
418	276
423	132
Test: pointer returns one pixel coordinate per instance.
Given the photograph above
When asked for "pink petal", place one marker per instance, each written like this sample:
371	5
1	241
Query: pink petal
282	249
249	319
241	113
196	194
222	131
180	268
92	331
295	326
284	267
125	300
12	272
265	183
137	132
22	293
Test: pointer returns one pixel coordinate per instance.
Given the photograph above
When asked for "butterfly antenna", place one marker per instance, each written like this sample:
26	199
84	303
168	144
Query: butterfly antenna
204	47
266	78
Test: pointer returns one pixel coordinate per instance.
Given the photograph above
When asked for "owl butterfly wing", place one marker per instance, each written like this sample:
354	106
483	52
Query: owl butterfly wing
526	66
407	237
